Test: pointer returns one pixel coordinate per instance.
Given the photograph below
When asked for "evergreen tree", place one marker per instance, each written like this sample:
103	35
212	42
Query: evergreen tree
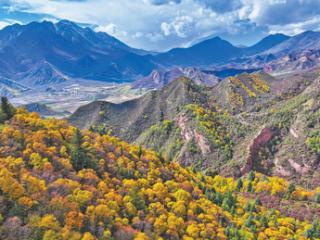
264	221
251	176
140	152
75	149
249	222
239	184
250	207
78	155
258	201
137	201
218	198
318	198
228	202
314	231
291	189
161	116
250	188
6	109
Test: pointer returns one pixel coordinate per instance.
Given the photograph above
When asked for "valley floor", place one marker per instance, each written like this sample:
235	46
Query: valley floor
65	98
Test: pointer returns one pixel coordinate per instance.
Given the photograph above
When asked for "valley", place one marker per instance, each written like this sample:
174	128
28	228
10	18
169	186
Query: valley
65	98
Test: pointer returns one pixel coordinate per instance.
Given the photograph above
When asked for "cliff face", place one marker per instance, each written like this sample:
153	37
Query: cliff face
260	145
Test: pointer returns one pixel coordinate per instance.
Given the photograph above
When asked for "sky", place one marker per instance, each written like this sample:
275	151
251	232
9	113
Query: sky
160	25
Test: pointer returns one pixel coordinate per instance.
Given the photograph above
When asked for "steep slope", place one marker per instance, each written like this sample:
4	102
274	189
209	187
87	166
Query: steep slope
43	110
294	151
266	43
68	49
160	78
129	119
41	74
59	183
244	91
304	41
9	88
281	140
299	61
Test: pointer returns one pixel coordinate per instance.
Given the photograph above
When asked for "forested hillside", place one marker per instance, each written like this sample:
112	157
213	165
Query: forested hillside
57	182
248	122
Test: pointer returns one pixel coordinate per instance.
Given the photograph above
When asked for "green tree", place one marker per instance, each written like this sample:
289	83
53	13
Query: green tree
137	201
264	221
250	188
291	189
318	198
314	231
78	154
251	176
228	201
161	116
7	109
239	184
250	221
140	152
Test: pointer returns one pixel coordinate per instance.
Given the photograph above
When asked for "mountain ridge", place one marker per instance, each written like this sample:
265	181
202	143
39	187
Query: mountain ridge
76	52
211	128
47	53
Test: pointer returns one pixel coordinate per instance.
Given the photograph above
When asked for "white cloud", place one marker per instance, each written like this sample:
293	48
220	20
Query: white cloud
7	22
111	29
161	2
3	24
137	35
162	24
296	28
166	28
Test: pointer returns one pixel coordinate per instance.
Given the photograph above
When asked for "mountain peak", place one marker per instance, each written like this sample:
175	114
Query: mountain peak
308	32
267	43
67	24
303	41
73	50
214	40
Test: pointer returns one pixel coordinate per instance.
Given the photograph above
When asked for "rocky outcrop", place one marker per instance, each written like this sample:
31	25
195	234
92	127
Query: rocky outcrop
160	78
301	169
258	143
189	134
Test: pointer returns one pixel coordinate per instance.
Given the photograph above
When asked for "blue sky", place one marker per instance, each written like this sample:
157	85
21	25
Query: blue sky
164	24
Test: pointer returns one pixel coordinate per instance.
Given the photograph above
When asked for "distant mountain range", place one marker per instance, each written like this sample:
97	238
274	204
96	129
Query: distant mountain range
215	50
297	53
55	52
43	53
160	78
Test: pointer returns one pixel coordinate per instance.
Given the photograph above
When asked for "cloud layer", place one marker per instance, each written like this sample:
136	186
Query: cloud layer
163	24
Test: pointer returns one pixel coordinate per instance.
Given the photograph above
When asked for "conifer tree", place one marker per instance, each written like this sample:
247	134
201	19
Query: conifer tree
7	109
